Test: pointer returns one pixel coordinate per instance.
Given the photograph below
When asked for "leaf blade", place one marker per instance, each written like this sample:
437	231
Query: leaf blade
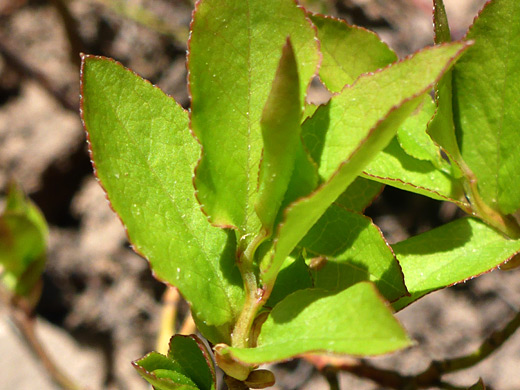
353	249
280	125
300	324
144	156
341	156
486	91
450	254
222	58
348	51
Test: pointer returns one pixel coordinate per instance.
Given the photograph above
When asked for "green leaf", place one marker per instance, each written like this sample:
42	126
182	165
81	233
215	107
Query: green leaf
359	195
294	275
363	325
190	353
188	366
162	373
441	127
281	129
450	254
393	166
234	52
486	95
440	23
353	249
416	142
308	110
144	157
415	164
349	131
348	51
23	243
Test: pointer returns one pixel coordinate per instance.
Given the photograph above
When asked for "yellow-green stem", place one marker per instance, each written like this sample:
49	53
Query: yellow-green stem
253	299
483	210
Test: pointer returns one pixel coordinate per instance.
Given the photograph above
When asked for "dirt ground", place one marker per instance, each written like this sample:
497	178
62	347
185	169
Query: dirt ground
100	306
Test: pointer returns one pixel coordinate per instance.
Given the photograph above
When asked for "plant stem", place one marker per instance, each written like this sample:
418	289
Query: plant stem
71	28
490	345
170	299
331	375
188	326
431	376
26	324
507	226
254	296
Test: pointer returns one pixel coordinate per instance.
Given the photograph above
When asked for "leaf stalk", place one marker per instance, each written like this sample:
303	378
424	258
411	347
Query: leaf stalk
254	299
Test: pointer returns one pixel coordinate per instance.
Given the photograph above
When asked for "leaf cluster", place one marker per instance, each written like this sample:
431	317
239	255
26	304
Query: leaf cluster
251	202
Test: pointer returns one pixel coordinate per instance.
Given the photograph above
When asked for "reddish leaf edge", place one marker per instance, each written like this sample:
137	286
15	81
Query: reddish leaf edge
188	56
144	373
203	348
466	45
85	57
461	204
338	19
407	293
459	281
325	351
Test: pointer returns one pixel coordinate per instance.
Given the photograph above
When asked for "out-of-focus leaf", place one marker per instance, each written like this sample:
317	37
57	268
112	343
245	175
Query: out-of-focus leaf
478	386
450	254
23	243
144	157
363	325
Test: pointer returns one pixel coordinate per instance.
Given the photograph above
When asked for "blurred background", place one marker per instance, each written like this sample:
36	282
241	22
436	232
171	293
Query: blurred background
100	307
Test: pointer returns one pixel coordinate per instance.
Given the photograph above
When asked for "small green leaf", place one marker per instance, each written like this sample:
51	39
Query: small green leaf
450	254
359	195
440	23
441	127
416	142
393	166
309	110
348	51
281	128
23	243
349	131
420	169
162	373
234	53
363	325
191	354
354	250
144	156
188	366
486	95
